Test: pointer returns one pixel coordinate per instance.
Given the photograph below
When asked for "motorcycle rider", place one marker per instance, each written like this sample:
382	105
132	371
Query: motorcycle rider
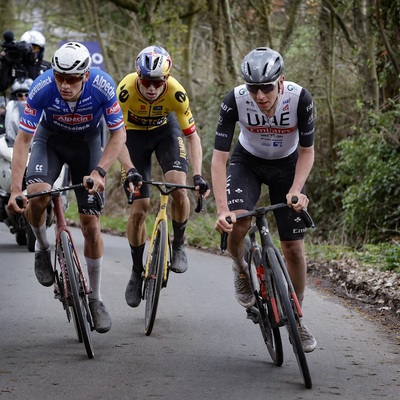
30	64
19	92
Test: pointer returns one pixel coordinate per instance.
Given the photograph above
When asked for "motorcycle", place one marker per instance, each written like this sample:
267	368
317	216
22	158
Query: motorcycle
17	224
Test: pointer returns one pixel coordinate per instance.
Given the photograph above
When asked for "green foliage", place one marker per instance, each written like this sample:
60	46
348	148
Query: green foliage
367	171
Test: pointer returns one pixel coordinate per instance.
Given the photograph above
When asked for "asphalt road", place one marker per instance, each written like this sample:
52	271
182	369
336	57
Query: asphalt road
202	346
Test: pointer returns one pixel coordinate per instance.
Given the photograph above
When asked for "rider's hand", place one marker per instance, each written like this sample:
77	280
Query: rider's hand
98	183
302	201
222	225
202	187
12	203
133	177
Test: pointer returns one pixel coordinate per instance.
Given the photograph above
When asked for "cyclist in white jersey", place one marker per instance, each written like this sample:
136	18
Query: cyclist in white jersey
274	147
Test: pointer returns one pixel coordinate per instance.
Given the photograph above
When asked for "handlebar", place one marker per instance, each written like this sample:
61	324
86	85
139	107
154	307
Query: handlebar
260	211
166	188
89	181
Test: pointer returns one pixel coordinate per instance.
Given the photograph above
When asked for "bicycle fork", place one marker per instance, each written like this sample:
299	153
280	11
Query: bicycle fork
161	215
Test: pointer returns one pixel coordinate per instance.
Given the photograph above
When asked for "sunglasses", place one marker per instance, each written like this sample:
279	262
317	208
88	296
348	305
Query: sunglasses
264	87
156	83
70	79
21	95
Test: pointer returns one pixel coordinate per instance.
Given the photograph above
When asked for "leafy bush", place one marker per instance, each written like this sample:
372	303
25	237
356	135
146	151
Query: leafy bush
367	171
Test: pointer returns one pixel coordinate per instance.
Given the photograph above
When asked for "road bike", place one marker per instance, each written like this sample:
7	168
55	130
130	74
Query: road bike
276	303
159	254
70	287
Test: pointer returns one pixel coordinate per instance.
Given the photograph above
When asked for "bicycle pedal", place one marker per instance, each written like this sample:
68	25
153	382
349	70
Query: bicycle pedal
251	316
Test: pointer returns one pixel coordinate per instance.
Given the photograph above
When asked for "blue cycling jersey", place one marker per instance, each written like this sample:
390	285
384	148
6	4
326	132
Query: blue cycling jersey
98	98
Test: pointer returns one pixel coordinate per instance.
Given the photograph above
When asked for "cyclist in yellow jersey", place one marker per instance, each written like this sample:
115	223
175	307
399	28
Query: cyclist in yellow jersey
156	112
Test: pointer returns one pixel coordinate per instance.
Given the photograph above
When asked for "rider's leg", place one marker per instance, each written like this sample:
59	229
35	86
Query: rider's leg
294	254
93	251
180	210
180	206
137	234
241	278
35	214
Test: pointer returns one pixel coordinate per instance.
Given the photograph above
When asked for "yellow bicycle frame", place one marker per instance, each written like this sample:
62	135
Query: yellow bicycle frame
161	215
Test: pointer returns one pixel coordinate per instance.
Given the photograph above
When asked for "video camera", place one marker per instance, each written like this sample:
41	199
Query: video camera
17	53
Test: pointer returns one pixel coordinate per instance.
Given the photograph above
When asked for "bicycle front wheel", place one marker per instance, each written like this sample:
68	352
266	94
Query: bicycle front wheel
154	280
288	316
271	335
77	294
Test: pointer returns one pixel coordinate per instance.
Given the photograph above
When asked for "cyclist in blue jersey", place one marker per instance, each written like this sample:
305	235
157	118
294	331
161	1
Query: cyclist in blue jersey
275	147
64	108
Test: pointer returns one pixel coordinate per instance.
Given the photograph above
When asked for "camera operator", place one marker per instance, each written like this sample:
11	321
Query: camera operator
23	59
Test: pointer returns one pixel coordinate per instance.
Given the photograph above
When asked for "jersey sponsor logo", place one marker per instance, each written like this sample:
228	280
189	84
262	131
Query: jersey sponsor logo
256	119
29	110
225	108
180	96
106	87
157	108
114	109
310	107
235	201
270	130
72	119
40	85
296	230
307	133
286	107
39	168
277	144
221	134
182	150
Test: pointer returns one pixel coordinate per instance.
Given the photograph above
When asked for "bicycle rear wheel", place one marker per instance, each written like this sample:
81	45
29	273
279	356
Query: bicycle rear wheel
154	280
271	336
288	315
77	294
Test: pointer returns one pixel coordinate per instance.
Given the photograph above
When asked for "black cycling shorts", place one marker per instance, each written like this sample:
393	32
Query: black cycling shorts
51	150
246	174
168	145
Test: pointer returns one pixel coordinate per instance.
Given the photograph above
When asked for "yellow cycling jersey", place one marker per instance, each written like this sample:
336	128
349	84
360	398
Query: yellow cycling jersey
141	114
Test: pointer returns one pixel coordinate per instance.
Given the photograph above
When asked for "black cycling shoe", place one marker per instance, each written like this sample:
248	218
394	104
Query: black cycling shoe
133	291
43	268
179	262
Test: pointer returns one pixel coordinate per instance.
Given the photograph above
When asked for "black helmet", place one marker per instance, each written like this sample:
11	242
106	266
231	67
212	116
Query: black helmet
262	65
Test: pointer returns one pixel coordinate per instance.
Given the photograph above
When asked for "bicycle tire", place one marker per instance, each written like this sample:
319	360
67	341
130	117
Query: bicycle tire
271	336
154	279
77	294
288	316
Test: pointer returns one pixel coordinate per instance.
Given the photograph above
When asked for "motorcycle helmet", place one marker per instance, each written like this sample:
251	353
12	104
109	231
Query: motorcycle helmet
20	86
35	38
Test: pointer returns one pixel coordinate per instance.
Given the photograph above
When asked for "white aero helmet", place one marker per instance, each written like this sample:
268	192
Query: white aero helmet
71	58
34	37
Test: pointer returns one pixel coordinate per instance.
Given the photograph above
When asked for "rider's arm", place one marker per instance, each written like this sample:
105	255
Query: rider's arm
18	165
116	142
195	152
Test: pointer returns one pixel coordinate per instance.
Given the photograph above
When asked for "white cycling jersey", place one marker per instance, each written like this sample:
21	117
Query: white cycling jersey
268	138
